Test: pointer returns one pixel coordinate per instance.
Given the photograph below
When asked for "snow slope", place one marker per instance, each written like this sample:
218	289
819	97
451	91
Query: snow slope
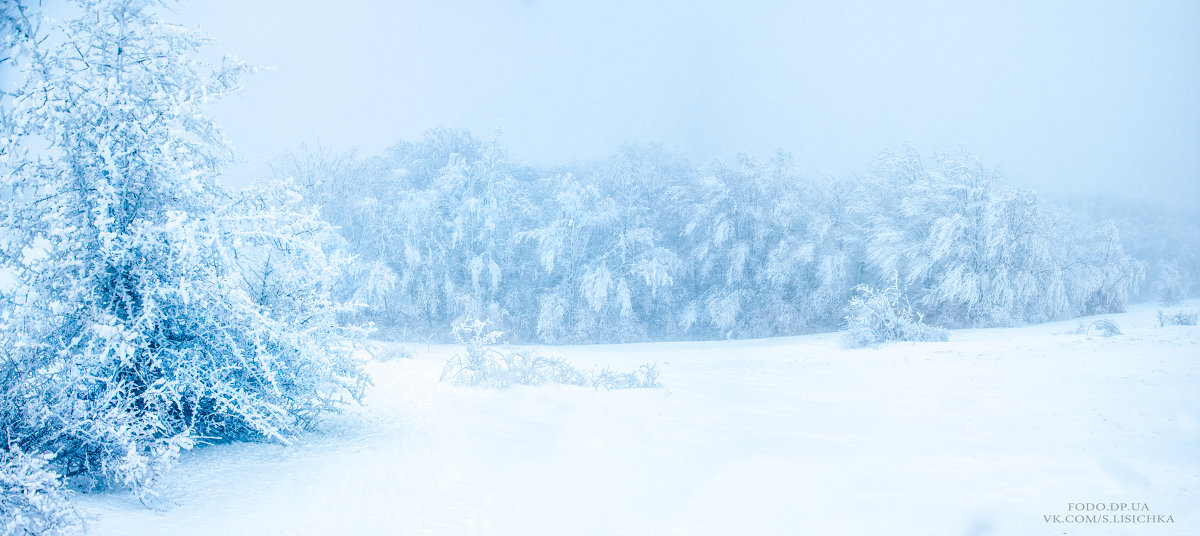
982	435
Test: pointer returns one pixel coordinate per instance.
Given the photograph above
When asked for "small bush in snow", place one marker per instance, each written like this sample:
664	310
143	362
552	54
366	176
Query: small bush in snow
32	500
485	366
882	315
1180	318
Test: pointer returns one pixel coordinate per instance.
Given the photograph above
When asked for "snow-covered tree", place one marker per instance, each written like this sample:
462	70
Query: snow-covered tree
1172	283
442	215
1103	276
769	251
151	309
605	265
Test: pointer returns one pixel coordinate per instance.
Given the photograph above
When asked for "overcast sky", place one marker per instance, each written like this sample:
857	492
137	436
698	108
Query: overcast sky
1097	95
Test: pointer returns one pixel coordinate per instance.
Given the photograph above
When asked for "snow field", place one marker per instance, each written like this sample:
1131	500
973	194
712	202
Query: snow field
984	434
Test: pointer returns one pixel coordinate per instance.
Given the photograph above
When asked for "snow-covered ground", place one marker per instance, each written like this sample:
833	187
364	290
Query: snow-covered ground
985	434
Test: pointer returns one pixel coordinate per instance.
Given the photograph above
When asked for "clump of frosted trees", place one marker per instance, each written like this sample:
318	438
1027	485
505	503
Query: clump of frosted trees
645	245
974	252
146	308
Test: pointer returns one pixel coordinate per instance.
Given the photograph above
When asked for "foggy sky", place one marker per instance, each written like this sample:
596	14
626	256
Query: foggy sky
1064	95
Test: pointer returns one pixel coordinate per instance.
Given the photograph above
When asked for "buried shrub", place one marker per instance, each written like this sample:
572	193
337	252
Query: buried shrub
32	500
485	366
881	315
1181	318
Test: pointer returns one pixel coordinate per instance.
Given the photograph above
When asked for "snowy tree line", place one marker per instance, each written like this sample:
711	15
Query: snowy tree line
646	245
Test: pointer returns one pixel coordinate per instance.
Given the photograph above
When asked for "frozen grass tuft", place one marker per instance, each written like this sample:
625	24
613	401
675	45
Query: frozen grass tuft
1104	327
485	366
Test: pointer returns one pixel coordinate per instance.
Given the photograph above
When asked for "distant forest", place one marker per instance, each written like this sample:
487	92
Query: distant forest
646	245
